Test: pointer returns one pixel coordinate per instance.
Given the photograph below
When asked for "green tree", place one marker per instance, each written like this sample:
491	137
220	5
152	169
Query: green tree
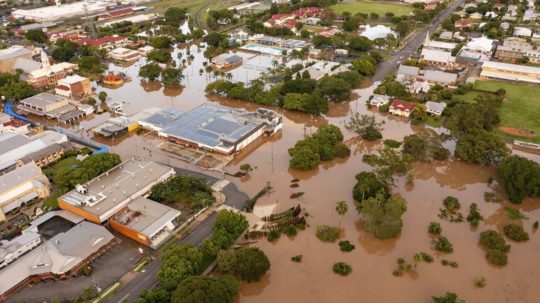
425	146
334	89
365	126
382	217
434	228
102	96
232	223
36	35
203	289
171	77
448	298
249	263
150	71
341	209
515	232
368	186
175	15
159	55
419	114
90	65
161	42
481	147
520	178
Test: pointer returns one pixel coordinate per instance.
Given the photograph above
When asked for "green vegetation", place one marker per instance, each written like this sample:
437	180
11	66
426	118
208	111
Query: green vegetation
514	214
382	216
290	231
451	203
341	209
368	7
520	178
391	143
448	298
481	147
435	228
324	145
171	77
425	145
36	35
66	177
12	87
189	191
442	243
496	247
368	186
491	197
474	216
365	126
452	264
450	212
515	232
249	263
190	5
402	267
220	289
346	246
297	258
327	233
273	235
422	257
480	282
90	65
342	269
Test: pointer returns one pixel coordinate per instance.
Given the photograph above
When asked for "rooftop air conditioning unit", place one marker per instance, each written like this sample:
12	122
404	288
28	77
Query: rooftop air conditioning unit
81	189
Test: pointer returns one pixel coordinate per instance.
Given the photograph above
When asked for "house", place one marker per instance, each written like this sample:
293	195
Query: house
100	198
227	61
51	253
522	32
13	125
67	34
510	72
310	20
332	31
475	16
478	49
324	68
290	20
435	77
20	186
446	35
9	56
379	100
49	74
491	15
123	54
530	15
438	58
73	86
435	108
401	108
107	42
464	23
438	45
505	26
514	49
17	147
145	50
407	73
116	14
419	87
147	222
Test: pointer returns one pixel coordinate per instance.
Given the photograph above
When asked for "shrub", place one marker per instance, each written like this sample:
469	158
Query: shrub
491	197
474	216
491	239
497	257
327	233
391	143
434	228
451	203
442	243
346	246
342	269
273	235
448	298
290	231
452	264
514	214
516	232
297	258
480	282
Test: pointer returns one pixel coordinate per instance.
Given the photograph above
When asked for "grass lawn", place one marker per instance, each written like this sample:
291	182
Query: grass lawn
51	201
191	5
67	162
522	108
368	7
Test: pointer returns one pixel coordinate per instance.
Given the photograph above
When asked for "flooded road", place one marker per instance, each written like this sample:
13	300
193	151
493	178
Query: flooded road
373	260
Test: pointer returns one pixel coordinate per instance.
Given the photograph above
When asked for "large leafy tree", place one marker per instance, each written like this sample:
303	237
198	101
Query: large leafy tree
334	88
90	65
231	222
520	178
171	77
424	146
365	126
205	290
249	263
368	186
481	147
36	35
179	262
192	192
382	217
150	71
66	178
175	15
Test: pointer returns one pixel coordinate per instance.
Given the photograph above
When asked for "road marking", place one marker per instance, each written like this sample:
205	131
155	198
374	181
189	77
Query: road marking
123	298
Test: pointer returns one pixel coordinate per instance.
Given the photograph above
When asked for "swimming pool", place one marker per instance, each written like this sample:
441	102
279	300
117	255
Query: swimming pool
270	50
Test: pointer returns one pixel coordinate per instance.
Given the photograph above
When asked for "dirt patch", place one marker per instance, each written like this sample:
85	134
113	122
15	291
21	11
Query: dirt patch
517	131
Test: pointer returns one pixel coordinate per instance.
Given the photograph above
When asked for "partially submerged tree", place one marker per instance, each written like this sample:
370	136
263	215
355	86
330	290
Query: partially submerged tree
365	126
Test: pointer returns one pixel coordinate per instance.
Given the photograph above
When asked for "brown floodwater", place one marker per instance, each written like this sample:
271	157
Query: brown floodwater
373	260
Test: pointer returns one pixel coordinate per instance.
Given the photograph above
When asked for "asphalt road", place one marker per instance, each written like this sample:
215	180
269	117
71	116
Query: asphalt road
147	280
414	42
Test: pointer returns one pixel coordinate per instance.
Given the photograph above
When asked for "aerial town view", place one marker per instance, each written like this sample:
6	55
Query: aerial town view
226	151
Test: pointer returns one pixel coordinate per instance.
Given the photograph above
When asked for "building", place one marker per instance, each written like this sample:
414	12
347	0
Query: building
435	108
21	186
73	86
522	32
439	45
514	49
439	58
407	73
245	8
227	61
66	34
435	77
10	55
214	128
116	14
124	54
135	19
145	50
511	72
478	49
290	20
147	222
107	42
61	11
15	147
100	198
463	23
45	104
48	75
58	249
10	124
324	68
401	108
379	100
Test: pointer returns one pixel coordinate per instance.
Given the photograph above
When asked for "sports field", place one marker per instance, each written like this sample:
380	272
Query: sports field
368	7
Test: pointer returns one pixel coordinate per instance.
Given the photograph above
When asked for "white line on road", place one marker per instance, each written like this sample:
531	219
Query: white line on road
123	298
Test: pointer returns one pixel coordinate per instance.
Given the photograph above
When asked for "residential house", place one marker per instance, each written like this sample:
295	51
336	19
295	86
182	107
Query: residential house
324	68
491	15
478	49
227	61
530	15
379	100
407	73
145	50
510	72
435	77
446	35
512	10
107	42
464	23
401	108
290	20
74	86
435	108
330	32
475	16
13	125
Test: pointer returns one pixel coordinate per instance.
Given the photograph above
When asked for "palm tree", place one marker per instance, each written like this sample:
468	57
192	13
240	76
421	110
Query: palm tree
229	76
341	209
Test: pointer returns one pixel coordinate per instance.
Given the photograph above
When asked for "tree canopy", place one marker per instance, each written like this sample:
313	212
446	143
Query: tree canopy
382	216
249	263
67	177
520	178
365	126
424	146
201	289
150	71
481	147
192	192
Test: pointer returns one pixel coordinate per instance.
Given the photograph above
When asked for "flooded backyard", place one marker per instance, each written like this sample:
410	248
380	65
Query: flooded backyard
373	260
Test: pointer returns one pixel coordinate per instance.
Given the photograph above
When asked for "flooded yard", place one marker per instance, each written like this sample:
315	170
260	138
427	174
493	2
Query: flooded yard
373	260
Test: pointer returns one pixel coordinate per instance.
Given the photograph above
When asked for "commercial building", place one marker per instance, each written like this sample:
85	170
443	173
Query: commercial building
10	124
401	108
48	75
136	19
324	68
74	86
214	128
55	246
478	49
439	58
511	72
100	198
439	45
145	221
45	104
106	42
227	61
61	11
514	49
407	73
15	147
20	186
124	54
435	77
9	56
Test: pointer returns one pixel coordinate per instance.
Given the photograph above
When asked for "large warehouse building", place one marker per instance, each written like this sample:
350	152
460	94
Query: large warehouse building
214	128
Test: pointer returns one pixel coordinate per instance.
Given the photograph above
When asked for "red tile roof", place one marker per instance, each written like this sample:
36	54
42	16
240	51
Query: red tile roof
99	41
402	105
16	123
